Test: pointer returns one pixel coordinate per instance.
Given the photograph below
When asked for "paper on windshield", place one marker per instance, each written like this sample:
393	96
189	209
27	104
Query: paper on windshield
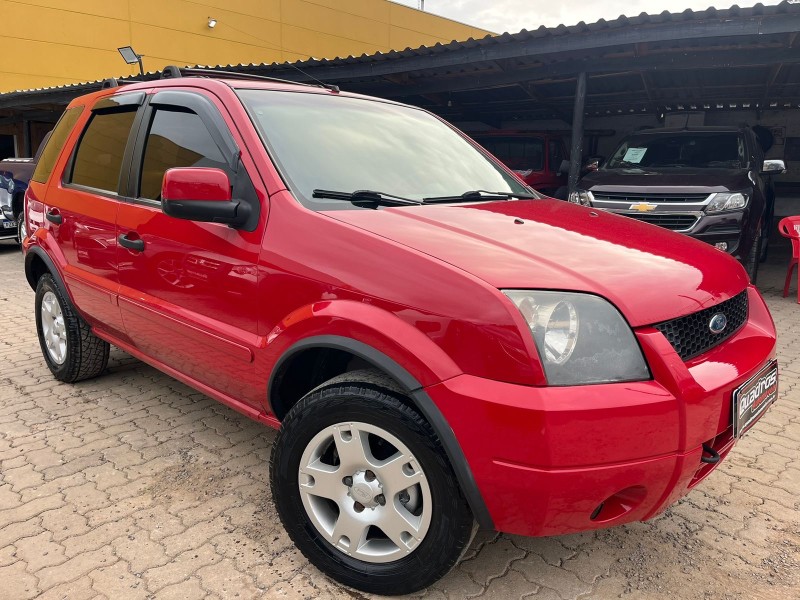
634	155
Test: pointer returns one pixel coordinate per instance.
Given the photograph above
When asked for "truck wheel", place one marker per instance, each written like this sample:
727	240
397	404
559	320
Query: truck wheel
365	490
72	352
754	258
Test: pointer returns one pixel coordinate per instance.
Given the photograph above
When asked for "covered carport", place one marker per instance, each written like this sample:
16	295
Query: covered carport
597	82
593	83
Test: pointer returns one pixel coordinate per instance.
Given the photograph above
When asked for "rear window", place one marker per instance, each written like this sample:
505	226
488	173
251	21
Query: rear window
98	158
52	148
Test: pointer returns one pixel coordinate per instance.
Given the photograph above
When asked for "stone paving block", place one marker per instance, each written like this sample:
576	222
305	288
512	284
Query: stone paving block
494	560
116	581
140	551
17	583
226	581
39	551
181	567
185	590
64	522
538	572
75	567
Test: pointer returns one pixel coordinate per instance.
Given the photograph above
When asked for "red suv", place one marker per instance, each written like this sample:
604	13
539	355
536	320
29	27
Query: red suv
439	347
536	157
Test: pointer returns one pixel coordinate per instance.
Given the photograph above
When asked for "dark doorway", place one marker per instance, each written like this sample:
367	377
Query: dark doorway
7	147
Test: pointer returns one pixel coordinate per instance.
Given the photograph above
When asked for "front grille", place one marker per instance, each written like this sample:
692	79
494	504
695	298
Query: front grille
653	198
691	335
673	222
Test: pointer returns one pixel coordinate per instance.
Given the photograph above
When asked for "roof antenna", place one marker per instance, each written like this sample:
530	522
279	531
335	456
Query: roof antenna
328	86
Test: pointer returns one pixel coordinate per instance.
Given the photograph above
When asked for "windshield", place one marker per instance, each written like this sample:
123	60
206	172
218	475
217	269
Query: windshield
712	150
324	142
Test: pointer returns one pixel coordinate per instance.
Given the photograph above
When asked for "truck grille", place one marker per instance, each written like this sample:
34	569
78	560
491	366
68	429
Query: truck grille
691	335
654	198
673	222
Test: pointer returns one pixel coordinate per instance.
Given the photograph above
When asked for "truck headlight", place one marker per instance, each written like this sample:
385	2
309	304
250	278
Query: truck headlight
723	201
580	338
581	197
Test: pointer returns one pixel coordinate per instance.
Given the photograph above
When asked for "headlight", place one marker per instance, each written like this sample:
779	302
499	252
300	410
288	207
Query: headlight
581	197
723	201
580	338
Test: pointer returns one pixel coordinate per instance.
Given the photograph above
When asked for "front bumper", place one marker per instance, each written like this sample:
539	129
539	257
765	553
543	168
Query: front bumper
558	460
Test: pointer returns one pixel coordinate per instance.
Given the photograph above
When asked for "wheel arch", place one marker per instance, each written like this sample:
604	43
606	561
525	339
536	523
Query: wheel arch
38	263
413	390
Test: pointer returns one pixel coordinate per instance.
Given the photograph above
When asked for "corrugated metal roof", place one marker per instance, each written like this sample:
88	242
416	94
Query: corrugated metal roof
643	20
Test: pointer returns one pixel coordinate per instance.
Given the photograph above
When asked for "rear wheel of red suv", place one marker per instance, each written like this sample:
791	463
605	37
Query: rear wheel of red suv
72	352
365	491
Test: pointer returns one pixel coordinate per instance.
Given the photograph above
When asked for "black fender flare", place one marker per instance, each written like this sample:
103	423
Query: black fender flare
37	252
421	400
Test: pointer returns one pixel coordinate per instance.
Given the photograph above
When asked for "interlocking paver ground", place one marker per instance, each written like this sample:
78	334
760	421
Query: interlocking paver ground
135	486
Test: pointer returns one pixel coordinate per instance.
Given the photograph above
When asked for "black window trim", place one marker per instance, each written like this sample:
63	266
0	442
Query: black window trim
183	100
118	103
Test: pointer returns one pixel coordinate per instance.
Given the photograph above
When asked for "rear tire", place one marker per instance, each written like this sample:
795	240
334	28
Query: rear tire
70	349
327	493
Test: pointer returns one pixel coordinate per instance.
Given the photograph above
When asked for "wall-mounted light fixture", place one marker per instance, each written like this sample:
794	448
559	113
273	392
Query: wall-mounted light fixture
130	56
212	22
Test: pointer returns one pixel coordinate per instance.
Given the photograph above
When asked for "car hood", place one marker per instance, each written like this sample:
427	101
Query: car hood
649	273
672	181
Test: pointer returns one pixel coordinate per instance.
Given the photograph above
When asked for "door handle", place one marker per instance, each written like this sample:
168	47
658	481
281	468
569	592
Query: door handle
126	242
54	216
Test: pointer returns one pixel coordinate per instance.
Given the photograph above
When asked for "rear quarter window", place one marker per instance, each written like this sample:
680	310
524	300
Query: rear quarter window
52	149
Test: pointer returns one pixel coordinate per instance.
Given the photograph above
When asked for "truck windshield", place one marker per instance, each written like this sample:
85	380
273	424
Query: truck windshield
680	150
324	142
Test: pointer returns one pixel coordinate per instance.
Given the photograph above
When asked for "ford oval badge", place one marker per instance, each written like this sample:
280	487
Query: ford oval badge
718	323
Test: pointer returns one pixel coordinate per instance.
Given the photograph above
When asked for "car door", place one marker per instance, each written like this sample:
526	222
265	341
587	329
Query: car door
188	291
81	209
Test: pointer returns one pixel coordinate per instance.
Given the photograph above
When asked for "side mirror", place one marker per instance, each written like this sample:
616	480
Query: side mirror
564	167
774	166
201	194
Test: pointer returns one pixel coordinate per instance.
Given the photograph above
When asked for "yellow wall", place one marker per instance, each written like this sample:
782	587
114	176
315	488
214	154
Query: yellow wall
53	42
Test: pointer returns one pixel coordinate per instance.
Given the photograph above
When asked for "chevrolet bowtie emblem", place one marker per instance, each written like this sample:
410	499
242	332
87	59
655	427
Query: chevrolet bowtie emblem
643	207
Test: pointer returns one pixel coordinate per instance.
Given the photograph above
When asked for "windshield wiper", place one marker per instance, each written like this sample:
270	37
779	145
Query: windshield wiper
478	196
364	197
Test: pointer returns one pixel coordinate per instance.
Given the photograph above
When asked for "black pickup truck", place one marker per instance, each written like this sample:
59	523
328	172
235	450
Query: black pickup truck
14	176
711	183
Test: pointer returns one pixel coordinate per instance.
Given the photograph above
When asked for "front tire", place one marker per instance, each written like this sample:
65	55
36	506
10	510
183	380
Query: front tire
72	352
365	491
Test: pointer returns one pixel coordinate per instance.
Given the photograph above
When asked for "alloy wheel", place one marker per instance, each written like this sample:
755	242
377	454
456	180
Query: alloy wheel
365	492
54	330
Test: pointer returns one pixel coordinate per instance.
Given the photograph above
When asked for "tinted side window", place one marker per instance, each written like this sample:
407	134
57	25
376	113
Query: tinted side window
98	159
47	160
176	139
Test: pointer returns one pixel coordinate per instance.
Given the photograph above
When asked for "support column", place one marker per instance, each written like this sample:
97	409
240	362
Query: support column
576	150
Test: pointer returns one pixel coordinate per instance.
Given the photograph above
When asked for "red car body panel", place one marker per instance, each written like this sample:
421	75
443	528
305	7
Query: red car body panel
219	308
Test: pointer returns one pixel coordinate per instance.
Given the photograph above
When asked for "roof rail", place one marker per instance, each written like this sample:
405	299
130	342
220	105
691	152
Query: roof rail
171	71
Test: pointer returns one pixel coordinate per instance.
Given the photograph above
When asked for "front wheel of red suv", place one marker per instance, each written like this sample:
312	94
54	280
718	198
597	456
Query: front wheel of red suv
365	491
72	352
